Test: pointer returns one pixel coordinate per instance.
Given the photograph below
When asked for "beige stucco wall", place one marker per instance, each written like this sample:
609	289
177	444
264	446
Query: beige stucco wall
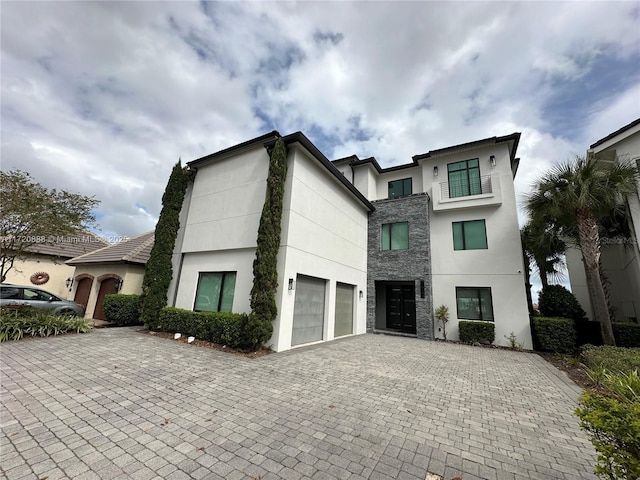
58	272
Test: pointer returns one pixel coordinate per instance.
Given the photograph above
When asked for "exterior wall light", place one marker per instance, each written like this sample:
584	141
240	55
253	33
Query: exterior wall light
492	160
435	171
118	284
361	294
292	284
69	283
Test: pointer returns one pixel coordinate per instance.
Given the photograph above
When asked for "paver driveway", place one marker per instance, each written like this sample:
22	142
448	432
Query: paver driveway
118	403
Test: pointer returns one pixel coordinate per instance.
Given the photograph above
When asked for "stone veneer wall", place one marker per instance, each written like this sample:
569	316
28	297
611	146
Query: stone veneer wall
402	265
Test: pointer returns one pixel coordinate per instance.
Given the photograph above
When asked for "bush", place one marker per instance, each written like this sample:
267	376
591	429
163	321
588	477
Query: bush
232	329
557	301
555	335
122	309
477	332
612	421
626	334
613	359
18	323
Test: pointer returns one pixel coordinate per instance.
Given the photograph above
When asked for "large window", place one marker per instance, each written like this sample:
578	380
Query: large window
464	178
215	292
400	188
474	303
395	236
471	235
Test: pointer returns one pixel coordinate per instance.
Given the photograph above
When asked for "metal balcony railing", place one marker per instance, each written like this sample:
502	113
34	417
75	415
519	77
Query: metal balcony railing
457	189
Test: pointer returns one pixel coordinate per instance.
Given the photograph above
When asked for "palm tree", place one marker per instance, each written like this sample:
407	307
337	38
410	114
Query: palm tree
573	196
544	249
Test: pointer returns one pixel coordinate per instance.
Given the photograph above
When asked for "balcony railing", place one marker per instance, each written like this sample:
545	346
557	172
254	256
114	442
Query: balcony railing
457	189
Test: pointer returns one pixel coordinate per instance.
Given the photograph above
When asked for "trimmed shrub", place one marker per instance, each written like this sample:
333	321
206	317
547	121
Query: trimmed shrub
31	322
122	309
557	301
477	332
159	269
218	327
627	334
555	335
588	333
613	359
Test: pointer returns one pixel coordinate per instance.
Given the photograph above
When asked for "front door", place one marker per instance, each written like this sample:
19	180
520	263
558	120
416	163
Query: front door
83	290
401	308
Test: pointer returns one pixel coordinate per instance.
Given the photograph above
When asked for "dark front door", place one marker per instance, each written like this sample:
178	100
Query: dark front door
83	290
401	308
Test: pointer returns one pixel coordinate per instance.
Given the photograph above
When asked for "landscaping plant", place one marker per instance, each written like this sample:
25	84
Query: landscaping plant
29	322
442	314
122	309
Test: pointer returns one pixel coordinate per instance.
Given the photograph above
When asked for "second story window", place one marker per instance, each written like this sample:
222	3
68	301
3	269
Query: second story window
395	236
464	178
400	188
471	235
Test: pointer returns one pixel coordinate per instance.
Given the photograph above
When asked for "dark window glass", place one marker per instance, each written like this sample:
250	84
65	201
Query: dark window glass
474	303
464	178
215	292
10	292
471	235
400	188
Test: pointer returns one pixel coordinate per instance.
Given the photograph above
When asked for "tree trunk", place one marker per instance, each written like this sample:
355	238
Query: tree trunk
590	246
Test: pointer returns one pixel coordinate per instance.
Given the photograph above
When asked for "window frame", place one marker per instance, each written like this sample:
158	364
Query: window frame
220	293
390	236
464	237
404	189
467	169
479	298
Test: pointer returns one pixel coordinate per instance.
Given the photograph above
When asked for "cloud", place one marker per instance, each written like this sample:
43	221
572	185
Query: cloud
102	98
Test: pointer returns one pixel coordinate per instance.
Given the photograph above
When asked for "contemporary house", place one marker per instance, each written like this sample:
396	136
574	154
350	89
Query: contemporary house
116	268
363	248
620	256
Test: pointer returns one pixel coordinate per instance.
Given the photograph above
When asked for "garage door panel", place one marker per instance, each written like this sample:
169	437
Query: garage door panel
344	310
308	312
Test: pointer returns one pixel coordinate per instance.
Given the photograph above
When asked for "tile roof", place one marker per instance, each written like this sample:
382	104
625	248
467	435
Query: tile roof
135	250
69	247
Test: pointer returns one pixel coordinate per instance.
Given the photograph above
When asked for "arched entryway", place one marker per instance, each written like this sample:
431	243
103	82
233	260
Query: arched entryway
83	290
108	285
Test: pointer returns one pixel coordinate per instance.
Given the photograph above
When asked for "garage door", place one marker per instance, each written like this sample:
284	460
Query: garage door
344	310
308	310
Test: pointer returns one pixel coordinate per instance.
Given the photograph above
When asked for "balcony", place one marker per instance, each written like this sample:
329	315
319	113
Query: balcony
485	191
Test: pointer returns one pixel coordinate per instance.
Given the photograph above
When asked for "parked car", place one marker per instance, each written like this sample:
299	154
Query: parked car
19	295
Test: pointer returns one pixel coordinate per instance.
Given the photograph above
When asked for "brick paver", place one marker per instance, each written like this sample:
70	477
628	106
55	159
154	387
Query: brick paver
118	403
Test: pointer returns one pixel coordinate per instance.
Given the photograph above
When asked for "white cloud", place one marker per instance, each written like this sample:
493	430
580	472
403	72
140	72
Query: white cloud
103	97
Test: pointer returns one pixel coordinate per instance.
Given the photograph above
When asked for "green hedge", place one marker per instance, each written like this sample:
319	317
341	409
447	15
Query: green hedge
31	322
626	334
588	333
220	327
477	332
555	335
122	309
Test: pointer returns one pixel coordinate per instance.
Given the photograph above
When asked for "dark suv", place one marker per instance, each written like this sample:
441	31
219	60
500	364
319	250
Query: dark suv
18	295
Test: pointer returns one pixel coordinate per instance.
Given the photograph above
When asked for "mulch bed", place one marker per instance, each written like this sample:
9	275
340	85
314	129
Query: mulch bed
212	346
576	372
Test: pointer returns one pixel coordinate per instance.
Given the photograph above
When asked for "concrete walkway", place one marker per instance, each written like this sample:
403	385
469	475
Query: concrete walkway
117	403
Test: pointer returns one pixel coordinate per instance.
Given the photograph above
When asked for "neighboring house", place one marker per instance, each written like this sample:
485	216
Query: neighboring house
44	264
117	268
363	248
620	256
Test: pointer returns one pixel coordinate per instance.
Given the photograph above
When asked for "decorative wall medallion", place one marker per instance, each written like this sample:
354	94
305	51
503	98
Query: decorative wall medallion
39	278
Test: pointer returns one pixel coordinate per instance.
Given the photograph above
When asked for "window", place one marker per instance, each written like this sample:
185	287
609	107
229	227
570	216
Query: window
400	188
395	236
474	303
470	235
464	178
215	292
33	294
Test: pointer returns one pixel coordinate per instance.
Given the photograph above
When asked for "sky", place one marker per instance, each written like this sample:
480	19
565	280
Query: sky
103	98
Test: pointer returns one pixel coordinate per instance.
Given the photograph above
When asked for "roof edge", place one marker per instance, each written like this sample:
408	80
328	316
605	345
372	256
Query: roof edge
616	133
258	141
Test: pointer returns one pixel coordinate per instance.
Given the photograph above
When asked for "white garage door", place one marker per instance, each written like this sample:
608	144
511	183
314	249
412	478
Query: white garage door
308	310
344	309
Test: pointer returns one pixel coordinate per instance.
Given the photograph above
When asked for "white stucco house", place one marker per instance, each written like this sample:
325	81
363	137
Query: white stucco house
363	248
620	256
